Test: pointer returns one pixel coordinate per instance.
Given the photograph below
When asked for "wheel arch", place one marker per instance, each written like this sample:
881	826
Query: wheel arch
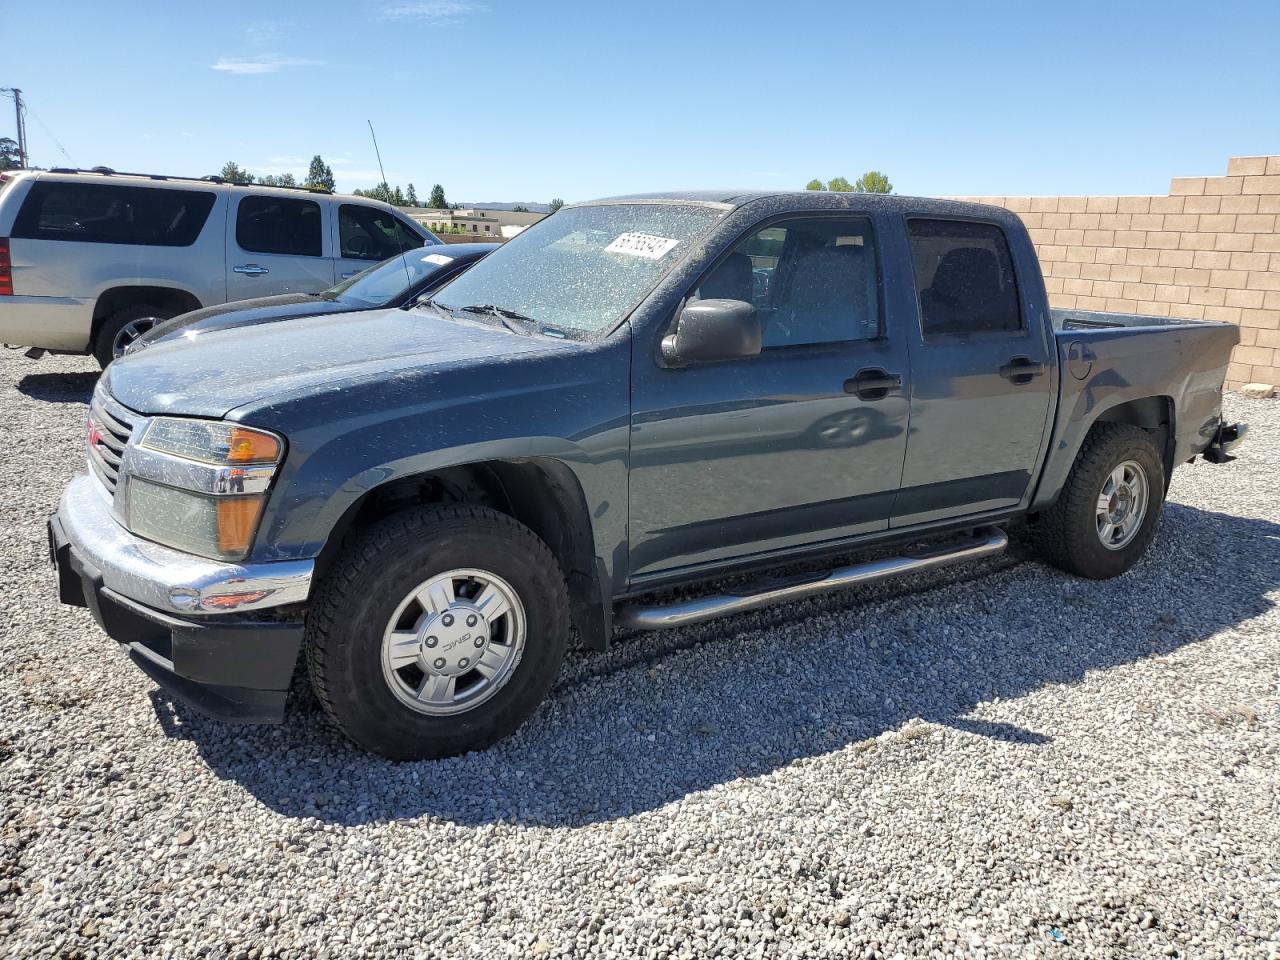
1156	414
541	492
116	298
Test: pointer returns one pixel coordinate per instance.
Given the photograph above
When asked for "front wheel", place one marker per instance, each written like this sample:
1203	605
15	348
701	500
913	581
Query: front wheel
439	631
1106	515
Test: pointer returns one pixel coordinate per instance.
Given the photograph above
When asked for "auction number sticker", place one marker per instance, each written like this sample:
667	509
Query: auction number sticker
642	245
439	259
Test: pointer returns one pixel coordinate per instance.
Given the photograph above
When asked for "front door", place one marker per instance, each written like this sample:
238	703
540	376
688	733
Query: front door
982	377
369	235
276	244
801	444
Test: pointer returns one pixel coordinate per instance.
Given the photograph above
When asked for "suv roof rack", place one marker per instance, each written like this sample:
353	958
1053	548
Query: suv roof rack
108	172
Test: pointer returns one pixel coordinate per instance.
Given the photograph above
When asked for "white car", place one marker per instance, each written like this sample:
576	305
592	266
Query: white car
92	259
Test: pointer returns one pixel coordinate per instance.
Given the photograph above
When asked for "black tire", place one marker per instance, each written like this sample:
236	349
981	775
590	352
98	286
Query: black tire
104	340
1067	534
356	600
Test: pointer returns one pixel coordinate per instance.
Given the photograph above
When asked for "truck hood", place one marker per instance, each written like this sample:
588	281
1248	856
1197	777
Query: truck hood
224	369
239	313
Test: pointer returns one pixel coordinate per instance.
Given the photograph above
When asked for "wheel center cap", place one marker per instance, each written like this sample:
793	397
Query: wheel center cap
452	641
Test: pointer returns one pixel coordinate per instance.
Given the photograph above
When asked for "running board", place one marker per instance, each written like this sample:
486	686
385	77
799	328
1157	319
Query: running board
986	542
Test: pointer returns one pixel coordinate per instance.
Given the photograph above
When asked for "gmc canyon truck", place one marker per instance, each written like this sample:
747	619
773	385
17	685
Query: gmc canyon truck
634	395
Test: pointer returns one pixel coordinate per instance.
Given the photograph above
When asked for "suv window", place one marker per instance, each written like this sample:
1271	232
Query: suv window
110	213
367	233
284	225
811	280
964	277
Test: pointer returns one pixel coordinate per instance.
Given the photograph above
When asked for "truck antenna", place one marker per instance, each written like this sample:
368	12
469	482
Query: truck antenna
383	173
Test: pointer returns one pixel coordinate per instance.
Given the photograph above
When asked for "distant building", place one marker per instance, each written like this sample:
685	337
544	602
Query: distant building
482	224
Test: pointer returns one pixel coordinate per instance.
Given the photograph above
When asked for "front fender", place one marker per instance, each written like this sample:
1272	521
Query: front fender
342	445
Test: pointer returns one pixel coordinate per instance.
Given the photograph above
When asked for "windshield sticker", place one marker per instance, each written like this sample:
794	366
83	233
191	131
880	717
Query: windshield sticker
642	245
439	259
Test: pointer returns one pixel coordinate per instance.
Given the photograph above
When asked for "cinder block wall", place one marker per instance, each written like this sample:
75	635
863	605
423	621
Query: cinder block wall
1208	250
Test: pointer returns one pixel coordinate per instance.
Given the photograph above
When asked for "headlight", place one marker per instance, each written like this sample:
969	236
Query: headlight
200	485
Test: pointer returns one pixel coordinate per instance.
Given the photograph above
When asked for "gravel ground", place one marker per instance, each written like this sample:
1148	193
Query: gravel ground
997	761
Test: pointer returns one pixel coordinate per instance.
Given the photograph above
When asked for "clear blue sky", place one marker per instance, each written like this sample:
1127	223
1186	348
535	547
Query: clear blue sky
509	100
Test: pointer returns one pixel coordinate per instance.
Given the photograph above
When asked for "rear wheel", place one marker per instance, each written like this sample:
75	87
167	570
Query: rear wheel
439	631
125	326
1106	516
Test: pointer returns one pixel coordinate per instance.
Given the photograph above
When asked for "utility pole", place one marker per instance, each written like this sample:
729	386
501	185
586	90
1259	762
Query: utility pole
22	125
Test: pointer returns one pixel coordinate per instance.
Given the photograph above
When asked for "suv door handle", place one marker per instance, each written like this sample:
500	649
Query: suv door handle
250	269
349	274
873	383
1022	369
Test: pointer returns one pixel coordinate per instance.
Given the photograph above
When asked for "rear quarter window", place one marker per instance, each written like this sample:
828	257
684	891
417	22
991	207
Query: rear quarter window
108	213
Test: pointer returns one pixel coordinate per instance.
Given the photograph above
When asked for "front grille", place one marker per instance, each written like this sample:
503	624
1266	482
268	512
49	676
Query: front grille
108	431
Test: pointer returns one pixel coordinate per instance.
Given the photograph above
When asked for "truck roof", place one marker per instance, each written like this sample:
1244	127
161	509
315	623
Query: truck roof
809	200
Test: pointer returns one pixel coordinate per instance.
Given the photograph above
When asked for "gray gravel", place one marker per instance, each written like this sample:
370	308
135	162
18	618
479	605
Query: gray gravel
998	761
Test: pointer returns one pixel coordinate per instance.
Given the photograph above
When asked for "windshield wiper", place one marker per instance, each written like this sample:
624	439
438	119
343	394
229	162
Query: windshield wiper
510	318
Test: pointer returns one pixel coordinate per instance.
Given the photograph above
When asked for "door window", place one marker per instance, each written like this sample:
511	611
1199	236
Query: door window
964	278
367	233
812	280
106	213
283	225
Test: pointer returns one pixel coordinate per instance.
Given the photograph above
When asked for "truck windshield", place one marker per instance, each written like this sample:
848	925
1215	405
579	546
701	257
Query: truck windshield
583	268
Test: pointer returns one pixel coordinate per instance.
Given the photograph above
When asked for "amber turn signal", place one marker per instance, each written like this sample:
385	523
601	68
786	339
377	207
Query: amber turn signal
237	521
252	446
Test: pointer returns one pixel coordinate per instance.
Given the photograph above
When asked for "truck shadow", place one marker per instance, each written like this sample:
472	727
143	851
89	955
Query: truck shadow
663	715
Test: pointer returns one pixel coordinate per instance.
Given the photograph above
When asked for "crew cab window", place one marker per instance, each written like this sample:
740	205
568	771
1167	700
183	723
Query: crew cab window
812	280
964	277
367	233
283	225
106	213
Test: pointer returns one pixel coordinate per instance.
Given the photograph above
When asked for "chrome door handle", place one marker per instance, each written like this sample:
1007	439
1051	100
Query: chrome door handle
250	269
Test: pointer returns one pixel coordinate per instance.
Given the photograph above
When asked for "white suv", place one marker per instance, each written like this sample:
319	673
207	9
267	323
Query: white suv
89	260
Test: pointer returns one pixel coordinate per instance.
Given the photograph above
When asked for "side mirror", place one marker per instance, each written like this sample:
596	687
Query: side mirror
711	330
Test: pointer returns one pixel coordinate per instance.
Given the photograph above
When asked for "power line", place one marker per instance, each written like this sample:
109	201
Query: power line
61	149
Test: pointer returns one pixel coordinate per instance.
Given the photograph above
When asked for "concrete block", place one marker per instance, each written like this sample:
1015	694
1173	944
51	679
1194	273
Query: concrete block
1230	279
1072	204
1158	274
1134	204
1245	203
1224	186
1262	280
1080	254
1247	299
1139	291
1131	238
1110	255
1069	238
1101	204
1095	271
1164	240
1108	288
1126	273
1181	221
1246	166
1121	305
1099	238
1143	257
1044	204
1201	204
1196	241
1084	221
1216	223
1263	319
1078	286
1262	185
1146	221
1233	241
1256	223
1258	391
1224	314
1273	165
1186	186
1167	204
1207	296
1249	261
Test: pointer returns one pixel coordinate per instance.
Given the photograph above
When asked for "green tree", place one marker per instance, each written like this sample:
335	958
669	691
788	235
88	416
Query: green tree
397	196
555	204
839	185
519	208
411	197
873	181
9	154
281	180
319	174
815	185
232	172
437	201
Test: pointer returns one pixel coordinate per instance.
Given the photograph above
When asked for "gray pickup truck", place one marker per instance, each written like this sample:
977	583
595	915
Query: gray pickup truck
634	395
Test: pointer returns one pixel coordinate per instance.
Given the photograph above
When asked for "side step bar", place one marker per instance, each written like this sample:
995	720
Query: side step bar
986	542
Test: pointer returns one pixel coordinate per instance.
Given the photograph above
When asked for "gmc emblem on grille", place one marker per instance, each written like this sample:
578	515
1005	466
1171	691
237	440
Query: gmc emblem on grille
93	435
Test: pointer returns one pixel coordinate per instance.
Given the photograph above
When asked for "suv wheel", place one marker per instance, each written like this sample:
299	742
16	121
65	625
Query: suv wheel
125	326
1107	514
439	631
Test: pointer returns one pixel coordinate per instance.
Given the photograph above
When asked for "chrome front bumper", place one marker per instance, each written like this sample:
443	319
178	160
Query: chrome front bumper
169	580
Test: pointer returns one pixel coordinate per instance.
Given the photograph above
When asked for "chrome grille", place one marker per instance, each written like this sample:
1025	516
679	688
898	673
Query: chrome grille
107	432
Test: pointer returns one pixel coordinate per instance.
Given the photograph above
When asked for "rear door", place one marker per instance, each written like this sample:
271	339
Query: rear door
981	376
276	243
367	235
